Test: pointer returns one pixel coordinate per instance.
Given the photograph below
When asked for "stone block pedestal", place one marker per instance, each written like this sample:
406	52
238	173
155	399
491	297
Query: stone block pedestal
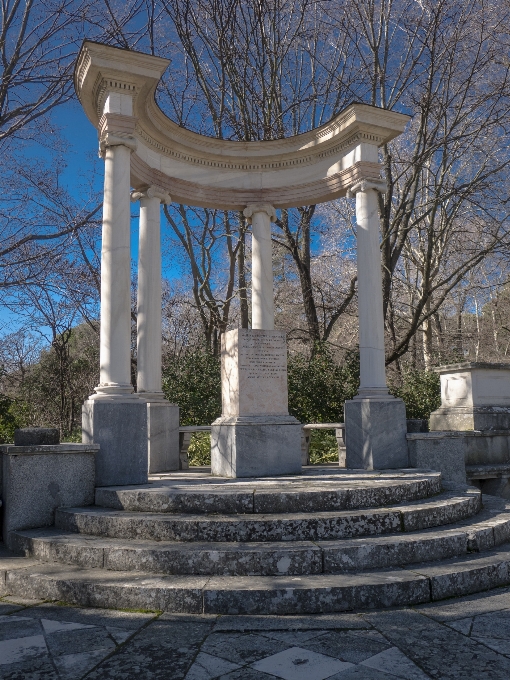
474	396
120	429
256	447
162	436
255	436
375	433
35	480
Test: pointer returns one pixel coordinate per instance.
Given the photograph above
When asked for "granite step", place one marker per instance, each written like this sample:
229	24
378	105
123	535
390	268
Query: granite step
311	594
341	490
447	508
490	528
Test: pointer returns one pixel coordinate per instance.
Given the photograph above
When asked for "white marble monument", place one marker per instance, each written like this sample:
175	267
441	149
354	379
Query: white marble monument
144	150
474	396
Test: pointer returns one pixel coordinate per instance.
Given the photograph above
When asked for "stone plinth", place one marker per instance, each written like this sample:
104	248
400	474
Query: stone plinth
120	428
474	396
162	436
255	436
444	452
36	480
375	433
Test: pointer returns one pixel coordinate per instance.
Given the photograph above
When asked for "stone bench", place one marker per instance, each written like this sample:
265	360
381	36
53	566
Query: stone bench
339	434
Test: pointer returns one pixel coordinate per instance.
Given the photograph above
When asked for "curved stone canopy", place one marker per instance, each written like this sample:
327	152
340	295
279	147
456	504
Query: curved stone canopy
116	88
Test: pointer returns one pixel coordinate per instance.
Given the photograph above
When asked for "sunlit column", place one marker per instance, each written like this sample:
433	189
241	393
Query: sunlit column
260	216
149	292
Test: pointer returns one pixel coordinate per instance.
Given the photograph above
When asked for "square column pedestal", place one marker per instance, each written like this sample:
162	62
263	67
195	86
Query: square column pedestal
255	436
375	433
162	436
135	436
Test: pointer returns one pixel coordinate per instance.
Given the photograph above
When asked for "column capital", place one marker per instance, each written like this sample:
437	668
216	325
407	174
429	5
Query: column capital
366	185
109	139
152	192
249	211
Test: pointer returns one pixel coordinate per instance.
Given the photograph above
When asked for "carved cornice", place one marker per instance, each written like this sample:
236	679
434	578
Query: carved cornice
253	208
316	166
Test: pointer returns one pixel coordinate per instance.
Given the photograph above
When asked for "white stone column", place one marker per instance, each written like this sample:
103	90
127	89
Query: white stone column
370	301
115	324
260	216
149	293
375	422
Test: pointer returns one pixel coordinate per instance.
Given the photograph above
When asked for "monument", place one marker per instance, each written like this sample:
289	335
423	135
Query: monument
146	152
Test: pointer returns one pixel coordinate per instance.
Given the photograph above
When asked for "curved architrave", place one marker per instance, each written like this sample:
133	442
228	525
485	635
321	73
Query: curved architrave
313	167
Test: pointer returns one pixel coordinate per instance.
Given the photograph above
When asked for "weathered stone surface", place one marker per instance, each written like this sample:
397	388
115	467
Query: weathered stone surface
162	436
383	552
37	480
280	527
472	574
99	588
375	434
120	428
442	451
36	436
255	446
278	595
307	493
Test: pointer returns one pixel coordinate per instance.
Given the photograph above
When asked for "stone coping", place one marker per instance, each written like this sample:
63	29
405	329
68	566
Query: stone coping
65	447
443	434
323	426
468	365
487	471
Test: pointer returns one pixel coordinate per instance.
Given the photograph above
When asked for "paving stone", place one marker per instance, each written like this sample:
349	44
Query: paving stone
40	668
162	647
392	661
439	651
14	626
275	623
241	648
347	647
6	608
207	667
495	624
463	626
77	641
467	606
126	621
293	638
20	649
296	663
245	674
497	644
74	666
361	673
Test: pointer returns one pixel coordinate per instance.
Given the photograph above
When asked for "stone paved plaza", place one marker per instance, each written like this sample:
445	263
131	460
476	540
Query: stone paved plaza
454	640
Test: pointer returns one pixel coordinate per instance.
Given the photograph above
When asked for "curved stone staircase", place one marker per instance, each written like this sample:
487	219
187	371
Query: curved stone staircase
329	540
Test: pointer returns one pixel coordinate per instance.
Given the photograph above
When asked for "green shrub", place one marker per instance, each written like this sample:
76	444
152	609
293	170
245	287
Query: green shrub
193	381
8	419
421	393
199	451
318	386
323	447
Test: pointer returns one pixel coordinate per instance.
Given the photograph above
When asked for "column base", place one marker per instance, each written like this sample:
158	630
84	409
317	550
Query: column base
375	433
120	429
255	446
162	436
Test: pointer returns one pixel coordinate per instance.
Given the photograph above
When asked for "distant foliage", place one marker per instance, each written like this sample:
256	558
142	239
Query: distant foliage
318	386
8	420
199	450
421	393
193	381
